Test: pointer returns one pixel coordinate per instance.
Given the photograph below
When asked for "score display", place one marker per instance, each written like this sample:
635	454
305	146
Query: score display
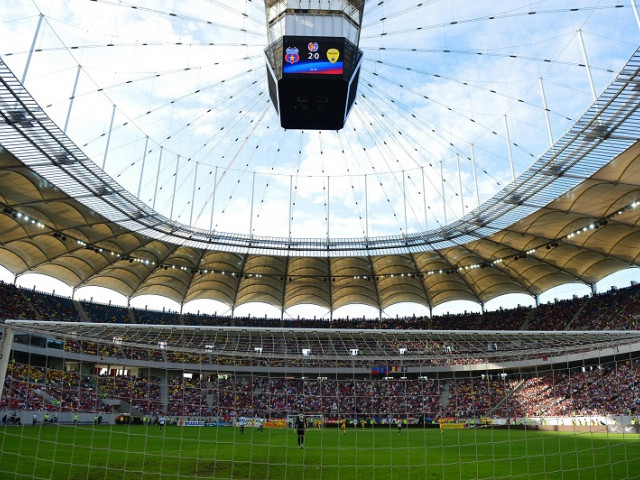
313	80
313	56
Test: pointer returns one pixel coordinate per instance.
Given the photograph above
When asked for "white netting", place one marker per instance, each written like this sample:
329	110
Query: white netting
115	401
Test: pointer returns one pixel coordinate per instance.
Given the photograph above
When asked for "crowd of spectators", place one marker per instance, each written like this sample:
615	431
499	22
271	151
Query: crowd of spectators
599	390
555	316
21	388
611	389
141	393
616	309
475	398
52	307
42	389
187	397
100	313
14	304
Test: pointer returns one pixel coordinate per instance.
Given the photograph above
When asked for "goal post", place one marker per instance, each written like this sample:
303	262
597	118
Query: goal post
5	352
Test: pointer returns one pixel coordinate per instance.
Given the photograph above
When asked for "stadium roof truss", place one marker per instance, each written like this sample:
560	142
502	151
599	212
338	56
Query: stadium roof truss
570	217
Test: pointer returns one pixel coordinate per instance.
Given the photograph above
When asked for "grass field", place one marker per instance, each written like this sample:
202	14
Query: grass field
138	452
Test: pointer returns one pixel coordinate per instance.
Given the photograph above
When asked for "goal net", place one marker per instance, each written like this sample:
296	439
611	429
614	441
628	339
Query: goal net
112	401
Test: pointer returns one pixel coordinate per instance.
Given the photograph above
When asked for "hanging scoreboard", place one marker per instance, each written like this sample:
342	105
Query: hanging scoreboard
313	56
313	81
313	61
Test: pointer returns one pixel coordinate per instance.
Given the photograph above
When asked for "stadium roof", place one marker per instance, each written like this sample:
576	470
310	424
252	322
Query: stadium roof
374	202
65	218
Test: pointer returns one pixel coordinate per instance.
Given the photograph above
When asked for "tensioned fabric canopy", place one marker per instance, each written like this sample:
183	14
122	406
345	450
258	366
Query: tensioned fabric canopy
570	217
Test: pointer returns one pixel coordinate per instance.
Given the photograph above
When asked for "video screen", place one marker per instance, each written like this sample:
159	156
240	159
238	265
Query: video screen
313	56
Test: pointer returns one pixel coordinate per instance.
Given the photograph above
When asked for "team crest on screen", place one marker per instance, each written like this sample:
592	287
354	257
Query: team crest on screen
292	55
333	54
313	47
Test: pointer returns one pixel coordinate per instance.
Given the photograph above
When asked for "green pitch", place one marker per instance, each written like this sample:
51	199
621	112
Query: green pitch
137	452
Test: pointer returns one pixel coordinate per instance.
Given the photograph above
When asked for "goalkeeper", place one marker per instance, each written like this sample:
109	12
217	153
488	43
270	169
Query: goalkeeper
300	426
